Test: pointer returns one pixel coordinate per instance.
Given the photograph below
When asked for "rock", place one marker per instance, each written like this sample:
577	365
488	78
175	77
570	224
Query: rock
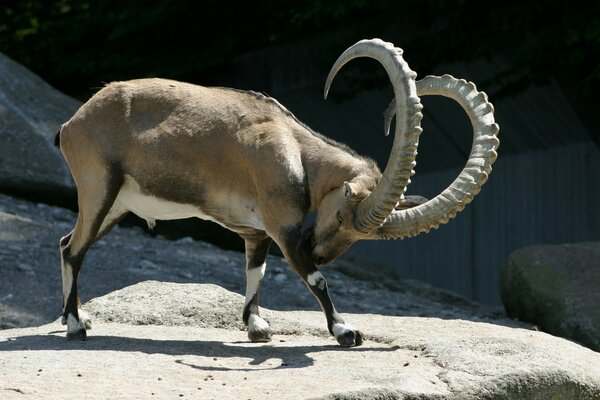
148	265
29	235
160	303
14	318
31	112
185	239
192	330
193	345
556	287
25	268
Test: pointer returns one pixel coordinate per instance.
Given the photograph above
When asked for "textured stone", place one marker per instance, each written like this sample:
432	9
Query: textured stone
29	235
429	344
556	287
203	353
31	112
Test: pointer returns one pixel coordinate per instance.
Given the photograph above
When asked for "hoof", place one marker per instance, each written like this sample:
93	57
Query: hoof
346	336
258	329
80	334
350	339
76	330
260	335
84	318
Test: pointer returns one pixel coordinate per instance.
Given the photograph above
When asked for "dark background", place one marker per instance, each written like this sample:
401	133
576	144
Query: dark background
78	45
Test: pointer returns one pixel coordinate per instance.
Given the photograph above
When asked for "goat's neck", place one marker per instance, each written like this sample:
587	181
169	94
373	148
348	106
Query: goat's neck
327	167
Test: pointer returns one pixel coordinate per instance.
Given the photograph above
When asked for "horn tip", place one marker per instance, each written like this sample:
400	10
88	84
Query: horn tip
327	86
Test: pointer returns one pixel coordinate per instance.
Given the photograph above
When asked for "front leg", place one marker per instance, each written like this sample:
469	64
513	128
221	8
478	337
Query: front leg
298	254
256	255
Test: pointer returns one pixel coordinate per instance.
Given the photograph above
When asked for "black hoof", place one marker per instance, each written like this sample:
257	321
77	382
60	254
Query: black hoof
260	335
350	339
79	334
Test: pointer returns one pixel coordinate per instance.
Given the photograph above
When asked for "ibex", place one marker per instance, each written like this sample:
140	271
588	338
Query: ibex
166	150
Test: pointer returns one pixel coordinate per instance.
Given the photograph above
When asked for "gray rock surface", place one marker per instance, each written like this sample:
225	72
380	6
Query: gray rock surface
174	329
557	288
30	264
31	112
203	353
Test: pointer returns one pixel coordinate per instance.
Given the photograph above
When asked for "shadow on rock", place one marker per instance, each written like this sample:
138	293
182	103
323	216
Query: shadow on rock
290	356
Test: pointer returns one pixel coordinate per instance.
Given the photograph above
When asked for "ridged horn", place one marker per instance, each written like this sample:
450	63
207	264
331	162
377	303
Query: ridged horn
372	211
452	200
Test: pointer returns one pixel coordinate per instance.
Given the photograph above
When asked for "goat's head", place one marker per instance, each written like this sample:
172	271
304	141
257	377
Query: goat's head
372	207
334	228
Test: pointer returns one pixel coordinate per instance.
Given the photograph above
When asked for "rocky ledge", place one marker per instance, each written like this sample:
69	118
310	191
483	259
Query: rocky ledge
171	340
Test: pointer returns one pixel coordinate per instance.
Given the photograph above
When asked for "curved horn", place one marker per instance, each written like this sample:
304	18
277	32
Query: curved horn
388	116
452	200
372	211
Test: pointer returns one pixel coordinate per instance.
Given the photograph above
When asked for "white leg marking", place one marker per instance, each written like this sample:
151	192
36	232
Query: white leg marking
84	318
255	322
340	329
253	278
316	279
74	326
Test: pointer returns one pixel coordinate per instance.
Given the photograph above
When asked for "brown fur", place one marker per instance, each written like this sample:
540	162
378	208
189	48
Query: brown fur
196	145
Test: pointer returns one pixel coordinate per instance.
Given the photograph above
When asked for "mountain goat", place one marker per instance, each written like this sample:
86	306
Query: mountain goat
166	150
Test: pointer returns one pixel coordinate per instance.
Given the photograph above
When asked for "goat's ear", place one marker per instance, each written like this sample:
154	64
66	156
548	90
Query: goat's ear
354	191
348	190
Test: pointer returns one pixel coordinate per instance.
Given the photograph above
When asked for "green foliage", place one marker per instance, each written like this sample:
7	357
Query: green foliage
77	45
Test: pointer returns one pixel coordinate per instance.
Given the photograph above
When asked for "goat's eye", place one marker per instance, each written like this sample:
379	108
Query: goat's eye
338	216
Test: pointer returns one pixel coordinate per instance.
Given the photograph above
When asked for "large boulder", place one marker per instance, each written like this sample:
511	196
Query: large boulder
173	340
557	288
31	112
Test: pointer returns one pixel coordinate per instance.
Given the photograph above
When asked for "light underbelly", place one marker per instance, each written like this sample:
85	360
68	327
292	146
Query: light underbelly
152	208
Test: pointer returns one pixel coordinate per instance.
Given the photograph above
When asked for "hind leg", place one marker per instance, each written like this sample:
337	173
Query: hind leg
116	214
96	216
